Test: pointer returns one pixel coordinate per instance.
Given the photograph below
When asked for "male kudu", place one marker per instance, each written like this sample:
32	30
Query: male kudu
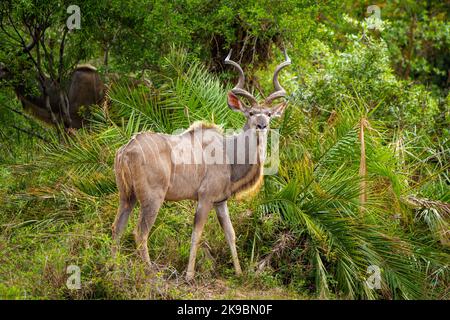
154	167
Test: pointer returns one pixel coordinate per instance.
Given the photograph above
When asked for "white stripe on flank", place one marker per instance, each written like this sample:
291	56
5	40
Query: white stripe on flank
143	153
153	148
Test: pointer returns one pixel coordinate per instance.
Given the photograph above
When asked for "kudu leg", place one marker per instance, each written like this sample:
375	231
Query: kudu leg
125	208
201	216
147	217
225	222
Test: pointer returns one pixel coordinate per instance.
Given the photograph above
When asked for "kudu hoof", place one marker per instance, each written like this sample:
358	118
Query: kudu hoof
189	277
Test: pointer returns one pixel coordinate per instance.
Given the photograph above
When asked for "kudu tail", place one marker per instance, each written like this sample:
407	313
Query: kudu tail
123	175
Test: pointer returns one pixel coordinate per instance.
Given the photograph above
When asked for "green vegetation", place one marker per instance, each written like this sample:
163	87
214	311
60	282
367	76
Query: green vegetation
336	206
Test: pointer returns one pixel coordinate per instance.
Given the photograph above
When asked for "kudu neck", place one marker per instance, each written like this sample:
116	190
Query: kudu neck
249	148
249	156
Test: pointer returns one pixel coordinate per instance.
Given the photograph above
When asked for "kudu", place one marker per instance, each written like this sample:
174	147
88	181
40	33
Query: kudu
148	169
84	88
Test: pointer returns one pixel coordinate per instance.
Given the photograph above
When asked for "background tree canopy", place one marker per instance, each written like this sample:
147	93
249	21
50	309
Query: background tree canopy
337	205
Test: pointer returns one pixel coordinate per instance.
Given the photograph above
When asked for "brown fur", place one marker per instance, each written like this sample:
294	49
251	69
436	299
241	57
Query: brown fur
251	181
123	173
84	89
250	189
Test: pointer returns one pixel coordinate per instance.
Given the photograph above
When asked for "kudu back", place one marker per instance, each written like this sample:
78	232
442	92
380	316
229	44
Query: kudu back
199	164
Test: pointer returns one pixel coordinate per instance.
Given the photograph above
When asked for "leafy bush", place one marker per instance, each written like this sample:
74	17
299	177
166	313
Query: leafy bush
308	229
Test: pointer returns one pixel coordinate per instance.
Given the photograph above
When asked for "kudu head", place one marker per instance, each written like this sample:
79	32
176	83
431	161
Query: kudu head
258	114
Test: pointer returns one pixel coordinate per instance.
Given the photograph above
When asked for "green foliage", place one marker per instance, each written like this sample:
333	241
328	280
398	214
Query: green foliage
419	38
307	232
316	194
363	72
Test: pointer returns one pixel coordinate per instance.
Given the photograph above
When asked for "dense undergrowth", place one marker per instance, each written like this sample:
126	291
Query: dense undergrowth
334	208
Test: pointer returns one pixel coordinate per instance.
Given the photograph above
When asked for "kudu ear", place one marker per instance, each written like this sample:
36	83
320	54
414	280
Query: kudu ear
234	103
278	110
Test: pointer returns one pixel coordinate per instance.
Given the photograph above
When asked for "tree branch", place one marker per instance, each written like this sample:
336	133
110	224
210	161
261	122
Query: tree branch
31	133
61	55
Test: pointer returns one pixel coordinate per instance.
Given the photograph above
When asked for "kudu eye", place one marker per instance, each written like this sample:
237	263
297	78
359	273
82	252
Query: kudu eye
269	114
